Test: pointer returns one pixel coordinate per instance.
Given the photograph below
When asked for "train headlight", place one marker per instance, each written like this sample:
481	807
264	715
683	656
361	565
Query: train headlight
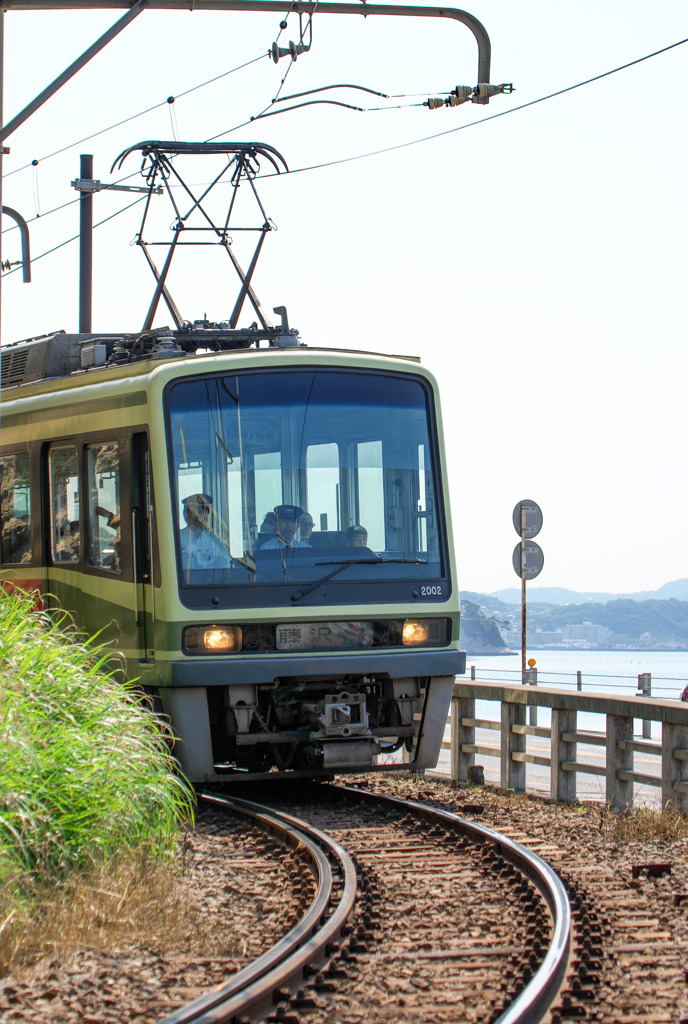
212	639
424	632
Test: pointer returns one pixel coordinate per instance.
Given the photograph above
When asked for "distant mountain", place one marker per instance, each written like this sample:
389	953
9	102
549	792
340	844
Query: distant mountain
678	590
633	623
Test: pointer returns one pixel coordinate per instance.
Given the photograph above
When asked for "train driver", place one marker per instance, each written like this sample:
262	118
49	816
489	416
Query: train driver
287	518
201	549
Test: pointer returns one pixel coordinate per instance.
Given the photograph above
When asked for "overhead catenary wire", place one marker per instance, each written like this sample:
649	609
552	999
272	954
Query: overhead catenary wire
365	110
36	191
173	118
403	145
141	113
309	29
471	124
75	238
169	101
71	202
295	51
335	103
361	88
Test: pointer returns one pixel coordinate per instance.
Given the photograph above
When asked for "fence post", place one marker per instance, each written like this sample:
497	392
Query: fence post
674	738
619	791
562	783
513	773
472	673
645	690
461	707
531	680
579	680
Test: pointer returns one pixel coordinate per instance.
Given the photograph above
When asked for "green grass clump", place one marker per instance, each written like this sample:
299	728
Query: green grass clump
85	770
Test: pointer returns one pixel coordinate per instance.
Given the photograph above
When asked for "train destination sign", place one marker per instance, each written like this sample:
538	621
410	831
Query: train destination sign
533	518
528	562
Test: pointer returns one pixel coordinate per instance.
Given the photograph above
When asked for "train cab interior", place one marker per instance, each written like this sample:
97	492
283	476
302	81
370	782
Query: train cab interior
353	454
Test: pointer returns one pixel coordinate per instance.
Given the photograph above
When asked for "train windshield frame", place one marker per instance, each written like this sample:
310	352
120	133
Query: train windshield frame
254	455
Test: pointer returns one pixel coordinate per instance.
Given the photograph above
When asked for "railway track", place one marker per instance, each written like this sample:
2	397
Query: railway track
443	927
307	944
390	949
629	901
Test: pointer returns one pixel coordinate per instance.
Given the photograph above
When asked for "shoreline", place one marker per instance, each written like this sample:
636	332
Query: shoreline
580	650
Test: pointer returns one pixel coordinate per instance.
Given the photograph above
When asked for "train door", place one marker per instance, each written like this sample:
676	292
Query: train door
143	547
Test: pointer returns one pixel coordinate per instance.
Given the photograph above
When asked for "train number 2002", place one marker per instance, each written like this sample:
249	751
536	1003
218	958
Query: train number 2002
435	591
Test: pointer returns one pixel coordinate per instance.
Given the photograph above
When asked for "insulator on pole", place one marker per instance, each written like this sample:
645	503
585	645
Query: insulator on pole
461	94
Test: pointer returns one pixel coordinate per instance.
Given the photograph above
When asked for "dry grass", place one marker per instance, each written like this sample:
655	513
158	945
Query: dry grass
115	906
642	824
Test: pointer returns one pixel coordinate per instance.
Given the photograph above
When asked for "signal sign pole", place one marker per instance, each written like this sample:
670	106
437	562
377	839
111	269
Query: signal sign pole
524	527
527	559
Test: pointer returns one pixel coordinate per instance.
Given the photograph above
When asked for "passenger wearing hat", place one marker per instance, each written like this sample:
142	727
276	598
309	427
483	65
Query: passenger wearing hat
287	524
201	549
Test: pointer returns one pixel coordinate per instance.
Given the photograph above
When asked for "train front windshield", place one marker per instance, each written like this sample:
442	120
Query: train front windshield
302	485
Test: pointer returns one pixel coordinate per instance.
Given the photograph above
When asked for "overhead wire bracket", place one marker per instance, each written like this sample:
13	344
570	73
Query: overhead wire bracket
94	185
294	50
26	255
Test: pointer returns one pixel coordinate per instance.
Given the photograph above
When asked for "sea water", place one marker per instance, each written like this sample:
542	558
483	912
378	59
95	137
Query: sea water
614	673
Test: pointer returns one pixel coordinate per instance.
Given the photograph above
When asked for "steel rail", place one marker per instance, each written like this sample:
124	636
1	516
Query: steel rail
252	989
533	1002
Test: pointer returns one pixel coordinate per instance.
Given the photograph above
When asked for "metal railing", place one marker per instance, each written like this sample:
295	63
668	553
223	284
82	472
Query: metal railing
666	686
565	739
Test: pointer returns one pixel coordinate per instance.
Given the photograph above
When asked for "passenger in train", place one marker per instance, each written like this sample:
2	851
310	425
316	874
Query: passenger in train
106	541
268	529
269	524
287	517
357	537
201	549
305	527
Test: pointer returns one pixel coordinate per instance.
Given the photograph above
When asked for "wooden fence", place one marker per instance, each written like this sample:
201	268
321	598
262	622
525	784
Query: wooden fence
565	739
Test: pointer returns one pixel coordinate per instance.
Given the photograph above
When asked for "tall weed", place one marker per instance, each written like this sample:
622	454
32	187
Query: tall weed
85	770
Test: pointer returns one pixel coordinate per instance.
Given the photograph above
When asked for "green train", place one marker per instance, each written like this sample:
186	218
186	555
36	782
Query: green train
262	531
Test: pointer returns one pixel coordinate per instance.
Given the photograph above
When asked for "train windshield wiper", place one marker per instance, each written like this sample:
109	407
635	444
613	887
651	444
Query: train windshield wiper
341	566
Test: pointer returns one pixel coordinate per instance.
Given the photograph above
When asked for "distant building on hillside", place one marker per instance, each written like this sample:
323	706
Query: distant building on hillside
580	635
534	638
587	631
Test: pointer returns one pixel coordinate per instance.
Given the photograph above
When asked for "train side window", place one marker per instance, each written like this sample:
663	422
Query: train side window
104	537
64	504
15	508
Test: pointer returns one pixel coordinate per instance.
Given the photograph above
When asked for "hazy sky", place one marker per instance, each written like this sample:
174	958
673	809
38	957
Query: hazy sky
536	262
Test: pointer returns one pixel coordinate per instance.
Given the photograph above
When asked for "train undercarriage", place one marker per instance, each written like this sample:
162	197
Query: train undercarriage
324	724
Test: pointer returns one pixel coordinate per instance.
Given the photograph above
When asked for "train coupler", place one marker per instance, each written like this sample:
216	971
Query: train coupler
339	715
349	753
